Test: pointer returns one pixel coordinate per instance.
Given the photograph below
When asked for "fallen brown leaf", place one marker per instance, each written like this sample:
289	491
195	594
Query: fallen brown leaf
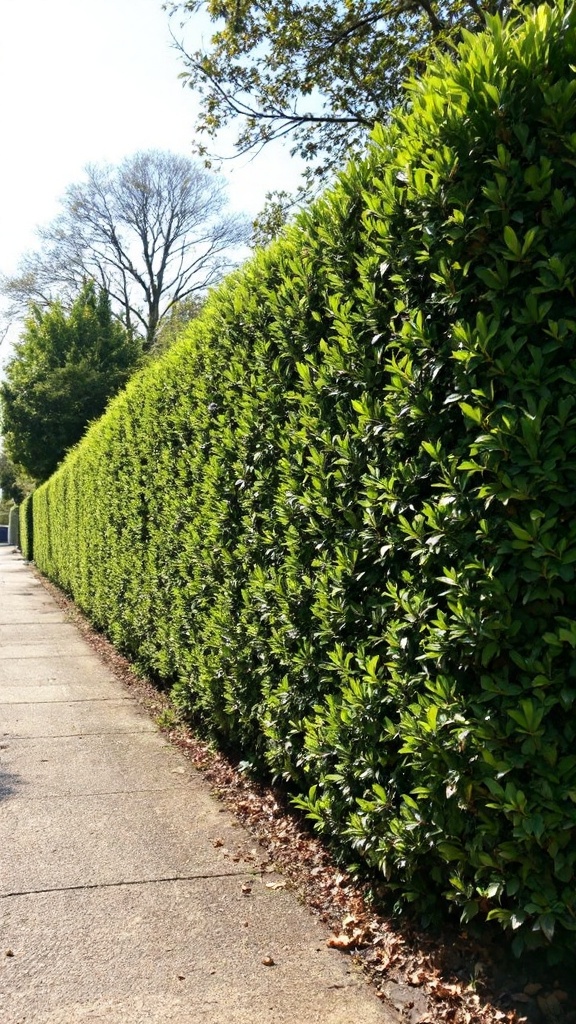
418	978
341	941
355	940
442	991
532	989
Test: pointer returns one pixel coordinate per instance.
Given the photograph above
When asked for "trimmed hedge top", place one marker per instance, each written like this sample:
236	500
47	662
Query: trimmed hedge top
339	515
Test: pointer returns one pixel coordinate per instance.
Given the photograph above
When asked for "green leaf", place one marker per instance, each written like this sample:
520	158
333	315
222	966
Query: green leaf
512	241
471	412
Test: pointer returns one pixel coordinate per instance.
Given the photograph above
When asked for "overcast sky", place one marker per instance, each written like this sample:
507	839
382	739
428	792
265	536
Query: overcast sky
90	81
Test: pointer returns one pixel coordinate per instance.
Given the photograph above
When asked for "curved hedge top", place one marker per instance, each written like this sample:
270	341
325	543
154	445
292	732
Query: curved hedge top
339	515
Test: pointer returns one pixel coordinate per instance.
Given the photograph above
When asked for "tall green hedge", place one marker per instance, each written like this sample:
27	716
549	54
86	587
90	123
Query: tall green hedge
340	515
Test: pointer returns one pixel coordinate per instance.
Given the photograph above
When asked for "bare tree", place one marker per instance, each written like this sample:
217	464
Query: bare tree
152	231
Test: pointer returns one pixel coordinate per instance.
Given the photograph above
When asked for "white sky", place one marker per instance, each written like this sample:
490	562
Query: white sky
92	81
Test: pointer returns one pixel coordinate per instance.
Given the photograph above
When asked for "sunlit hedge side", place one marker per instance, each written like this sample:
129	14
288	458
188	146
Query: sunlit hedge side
340	515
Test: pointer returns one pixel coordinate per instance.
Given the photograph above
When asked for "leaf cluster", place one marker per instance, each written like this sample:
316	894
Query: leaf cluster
26	528
13	483
322	74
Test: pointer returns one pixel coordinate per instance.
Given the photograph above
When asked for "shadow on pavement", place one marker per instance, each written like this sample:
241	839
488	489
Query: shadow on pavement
8	783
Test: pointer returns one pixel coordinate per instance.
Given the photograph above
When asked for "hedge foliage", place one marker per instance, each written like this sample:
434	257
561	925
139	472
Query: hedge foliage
340	515
25	517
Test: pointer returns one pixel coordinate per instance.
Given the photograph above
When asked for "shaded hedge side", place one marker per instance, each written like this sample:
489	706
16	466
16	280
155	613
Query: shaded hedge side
25	522
339	515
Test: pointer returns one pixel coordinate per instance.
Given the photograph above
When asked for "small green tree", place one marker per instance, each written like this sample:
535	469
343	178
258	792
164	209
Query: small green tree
65	369
13	483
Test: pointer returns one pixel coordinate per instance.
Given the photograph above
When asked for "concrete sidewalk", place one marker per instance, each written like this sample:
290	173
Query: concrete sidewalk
115	905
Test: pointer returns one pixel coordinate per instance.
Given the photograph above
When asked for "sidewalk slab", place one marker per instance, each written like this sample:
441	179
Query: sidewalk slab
67	667
109	838
76	718
157	966
37	611
124	760
19	649
35	632
52	692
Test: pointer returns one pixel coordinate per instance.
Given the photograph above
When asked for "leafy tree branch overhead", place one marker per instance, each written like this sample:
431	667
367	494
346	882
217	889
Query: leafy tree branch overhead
152	232
322	74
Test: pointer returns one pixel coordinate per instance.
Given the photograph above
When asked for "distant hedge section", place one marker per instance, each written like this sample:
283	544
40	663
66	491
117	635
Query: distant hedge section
25	524
340	515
